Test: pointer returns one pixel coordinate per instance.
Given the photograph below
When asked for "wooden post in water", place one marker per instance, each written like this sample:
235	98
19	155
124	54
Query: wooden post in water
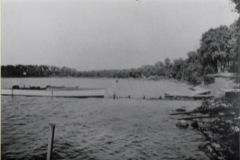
114	95
50	141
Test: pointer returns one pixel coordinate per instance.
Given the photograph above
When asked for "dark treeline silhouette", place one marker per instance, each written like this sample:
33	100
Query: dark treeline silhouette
219	51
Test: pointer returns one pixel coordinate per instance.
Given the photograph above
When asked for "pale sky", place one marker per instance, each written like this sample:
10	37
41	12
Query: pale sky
106	34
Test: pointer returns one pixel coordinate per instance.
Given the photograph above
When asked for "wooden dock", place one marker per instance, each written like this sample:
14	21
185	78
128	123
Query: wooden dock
196	93
188	97
166	97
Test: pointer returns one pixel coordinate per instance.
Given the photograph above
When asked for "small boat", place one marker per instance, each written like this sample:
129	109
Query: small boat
194	92
55	91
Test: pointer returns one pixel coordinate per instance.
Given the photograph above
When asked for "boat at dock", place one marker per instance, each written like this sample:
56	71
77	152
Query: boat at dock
192	93
55	91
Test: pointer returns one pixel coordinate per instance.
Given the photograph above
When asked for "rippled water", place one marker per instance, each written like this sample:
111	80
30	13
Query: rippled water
98	129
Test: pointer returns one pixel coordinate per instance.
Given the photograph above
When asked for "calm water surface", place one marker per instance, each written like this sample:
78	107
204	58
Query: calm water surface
100	129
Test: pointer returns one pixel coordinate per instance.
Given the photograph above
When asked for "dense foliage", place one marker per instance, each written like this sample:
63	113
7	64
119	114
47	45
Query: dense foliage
235	29
207	79
216	48
237	2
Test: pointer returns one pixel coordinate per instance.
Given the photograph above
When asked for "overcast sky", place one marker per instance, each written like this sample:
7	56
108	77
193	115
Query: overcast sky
106	34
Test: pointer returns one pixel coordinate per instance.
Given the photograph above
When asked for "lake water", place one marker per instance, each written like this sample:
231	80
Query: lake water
100	129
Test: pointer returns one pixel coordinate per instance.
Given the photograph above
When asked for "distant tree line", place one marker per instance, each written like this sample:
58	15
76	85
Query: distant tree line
219	50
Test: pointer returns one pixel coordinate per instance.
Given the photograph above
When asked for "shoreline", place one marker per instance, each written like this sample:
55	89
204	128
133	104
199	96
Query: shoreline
137	79
218	121
219	126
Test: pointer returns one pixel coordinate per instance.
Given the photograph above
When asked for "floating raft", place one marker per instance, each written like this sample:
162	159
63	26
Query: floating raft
55	91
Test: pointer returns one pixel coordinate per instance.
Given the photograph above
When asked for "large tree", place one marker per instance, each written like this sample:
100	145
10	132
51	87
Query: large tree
235	34
159	68
216	47
237	2
237	29
193	70
177	70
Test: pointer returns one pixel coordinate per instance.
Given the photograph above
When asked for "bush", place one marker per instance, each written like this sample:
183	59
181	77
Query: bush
234	68
208	80
208	70
195	79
